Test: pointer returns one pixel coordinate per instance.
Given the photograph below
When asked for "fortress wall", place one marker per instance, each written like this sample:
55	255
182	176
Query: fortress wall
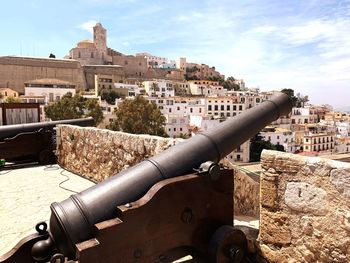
305	209
15	71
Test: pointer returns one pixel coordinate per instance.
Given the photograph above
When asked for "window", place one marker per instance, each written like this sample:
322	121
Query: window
191	110
209	107
92	54
180	129
234	107
125	62
240	107
50	97
216	107
228	107
222	107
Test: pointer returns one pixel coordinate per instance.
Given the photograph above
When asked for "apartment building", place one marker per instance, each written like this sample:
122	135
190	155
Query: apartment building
225	106
318	138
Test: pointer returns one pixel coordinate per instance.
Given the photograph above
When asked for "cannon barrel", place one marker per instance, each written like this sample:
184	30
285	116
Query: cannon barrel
8	131
72	220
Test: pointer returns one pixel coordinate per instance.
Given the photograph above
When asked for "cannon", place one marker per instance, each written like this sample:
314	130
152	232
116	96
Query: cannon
179	198
33	141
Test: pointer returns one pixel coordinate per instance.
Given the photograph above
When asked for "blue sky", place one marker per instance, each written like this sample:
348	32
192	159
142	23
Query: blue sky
271	44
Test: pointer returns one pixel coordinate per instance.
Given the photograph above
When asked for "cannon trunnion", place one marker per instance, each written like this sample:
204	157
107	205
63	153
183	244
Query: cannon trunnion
160	203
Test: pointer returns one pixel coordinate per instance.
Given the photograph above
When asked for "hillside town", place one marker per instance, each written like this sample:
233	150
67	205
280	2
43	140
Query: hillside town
193	97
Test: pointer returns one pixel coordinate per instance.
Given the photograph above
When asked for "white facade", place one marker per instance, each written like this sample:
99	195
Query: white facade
224	106
176	125
159	88
180	105
304	115
279	136
342	145
206	88
51	94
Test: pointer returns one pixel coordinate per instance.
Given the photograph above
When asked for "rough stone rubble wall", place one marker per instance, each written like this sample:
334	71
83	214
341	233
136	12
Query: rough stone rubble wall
98	153
305	209
246	195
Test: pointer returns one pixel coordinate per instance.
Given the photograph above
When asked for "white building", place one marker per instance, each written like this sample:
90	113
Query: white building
224	106
206	88
342	145
159	88
177	125
304	115
180	105
280	136
51	89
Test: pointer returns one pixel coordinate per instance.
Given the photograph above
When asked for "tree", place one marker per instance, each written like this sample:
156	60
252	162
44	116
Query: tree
257	144
301	100
229	83
11	99
290	93
109	95
74	107
139	116
52	56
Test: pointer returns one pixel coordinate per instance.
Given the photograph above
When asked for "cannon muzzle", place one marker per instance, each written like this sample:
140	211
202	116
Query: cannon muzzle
72	220
8	131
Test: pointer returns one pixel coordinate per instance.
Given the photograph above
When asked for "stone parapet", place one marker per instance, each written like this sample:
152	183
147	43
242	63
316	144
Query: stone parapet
97	154
305	209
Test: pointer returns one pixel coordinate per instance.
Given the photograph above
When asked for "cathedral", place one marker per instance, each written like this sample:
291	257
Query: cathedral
94	52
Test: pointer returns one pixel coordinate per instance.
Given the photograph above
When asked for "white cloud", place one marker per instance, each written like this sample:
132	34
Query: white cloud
88	26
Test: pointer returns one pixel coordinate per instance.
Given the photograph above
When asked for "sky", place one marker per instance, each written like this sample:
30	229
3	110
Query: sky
271	44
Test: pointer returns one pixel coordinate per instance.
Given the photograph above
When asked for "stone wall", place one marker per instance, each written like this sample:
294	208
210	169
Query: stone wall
305	209
98	153
246	195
